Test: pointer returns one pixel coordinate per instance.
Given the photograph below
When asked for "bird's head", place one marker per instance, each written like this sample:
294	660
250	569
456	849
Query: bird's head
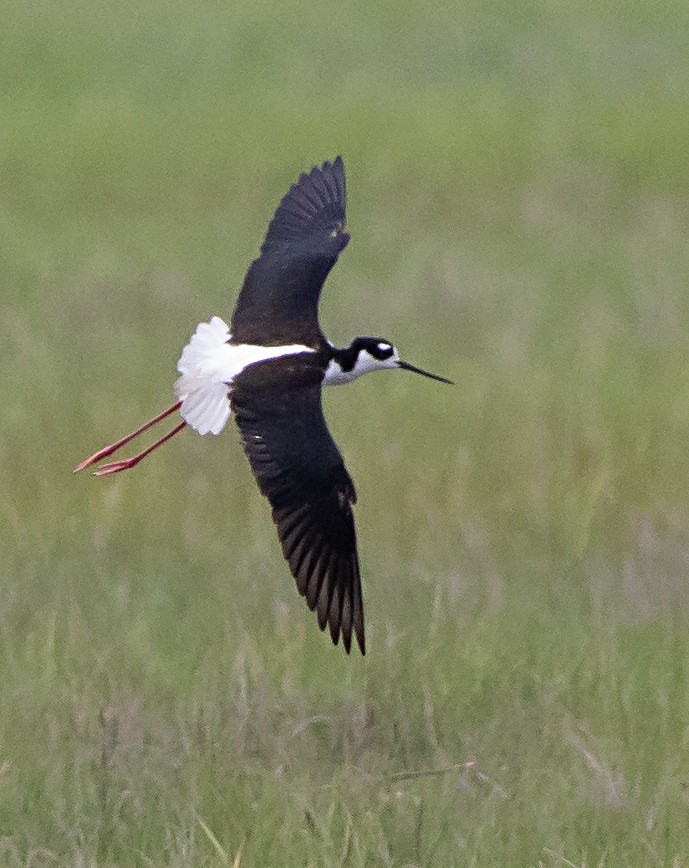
378	353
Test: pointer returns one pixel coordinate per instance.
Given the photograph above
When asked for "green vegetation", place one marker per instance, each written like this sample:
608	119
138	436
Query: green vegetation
518	179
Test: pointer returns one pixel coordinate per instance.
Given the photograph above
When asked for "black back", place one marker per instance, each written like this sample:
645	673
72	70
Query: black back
278	303
298	467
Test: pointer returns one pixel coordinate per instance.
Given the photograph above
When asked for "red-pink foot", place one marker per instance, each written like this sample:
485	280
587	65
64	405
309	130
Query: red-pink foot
113	447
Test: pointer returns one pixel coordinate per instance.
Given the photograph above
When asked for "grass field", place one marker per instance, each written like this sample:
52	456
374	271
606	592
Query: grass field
518	202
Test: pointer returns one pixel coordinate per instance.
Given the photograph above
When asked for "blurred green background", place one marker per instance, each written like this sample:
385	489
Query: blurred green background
518	201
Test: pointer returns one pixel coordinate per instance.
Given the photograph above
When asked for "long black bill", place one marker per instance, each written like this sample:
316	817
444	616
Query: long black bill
407	367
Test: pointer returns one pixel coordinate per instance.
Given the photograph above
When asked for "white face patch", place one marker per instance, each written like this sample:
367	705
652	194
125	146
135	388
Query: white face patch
208	365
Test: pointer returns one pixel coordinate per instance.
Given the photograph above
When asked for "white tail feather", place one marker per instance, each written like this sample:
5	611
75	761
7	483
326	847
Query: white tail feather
205	369
208	365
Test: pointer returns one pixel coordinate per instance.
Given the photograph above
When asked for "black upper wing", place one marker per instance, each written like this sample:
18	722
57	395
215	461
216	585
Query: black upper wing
299	469
278	303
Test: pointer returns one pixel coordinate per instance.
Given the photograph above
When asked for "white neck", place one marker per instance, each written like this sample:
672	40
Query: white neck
365	363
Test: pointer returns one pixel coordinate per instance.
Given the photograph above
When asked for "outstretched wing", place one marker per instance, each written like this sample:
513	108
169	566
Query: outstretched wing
278	303
299	469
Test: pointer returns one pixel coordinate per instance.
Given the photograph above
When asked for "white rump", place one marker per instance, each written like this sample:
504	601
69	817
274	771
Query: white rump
205	369
208	365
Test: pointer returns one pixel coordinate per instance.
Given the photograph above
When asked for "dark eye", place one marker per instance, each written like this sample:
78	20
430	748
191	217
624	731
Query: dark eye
384	350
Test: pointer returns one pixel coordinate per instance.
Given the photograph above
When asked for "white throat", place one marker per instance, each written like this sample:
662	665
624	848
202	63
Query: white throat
365	363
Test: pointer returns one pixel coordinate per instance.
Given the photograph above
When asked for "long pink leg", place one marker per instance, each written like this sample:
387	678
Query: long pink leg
126	463
113	447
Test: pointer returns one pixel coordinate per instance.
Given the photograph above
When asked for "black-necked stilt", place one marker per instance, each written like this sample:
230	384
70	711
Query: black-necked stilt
268	368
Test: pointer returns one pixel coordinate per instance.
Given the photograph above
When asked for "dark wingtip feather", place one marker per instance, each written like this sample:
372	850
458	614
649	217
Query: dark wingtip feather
361	639
330	584
315	205
358	605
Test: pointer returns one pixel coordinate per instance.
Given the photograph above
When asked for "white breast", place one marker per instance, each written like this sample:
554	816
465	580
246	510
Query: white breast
208	365
335	376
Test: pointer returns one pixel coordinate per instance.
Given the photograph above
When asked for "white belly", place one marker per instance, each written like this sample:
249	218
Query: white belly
208	365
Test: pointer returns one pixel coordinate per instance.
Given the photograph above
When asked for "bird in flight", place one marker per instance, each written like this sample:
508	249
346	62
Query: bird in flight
268	368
